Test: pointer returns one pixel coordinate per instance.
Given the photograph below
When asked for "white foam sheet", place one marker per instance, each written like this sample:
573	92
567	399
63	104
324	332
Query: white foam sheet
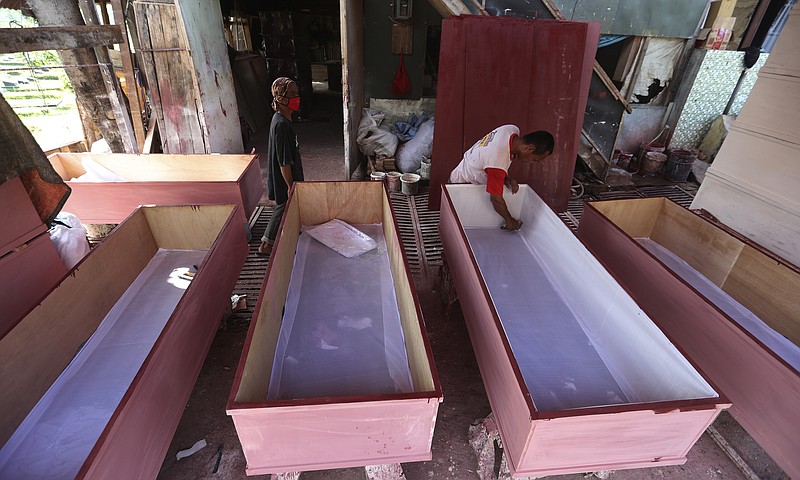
782	346
341	333
577	336
61	430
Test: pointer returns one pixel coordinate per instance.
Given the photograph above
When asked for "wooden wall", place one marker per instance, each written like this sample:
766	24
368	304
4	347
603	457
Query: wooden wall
500	70
753	184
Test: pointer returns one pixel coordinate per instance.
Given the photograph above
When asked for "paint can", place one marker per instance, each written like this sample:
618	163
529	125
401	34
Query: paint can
377	176
425	168
393	181
652	163
679	165
410	182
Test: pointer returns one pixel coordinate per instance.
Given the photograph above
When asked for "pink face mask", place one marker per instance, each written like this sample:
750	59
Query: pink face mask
294	104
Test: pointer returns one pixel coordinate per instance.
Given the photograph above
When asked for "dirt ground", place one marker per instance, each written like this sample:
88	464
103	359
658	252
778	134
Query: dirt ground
465	399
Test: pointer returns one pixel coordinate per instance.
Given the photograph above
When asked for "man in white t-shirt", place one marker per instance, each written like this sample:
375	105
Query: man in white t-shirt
488	161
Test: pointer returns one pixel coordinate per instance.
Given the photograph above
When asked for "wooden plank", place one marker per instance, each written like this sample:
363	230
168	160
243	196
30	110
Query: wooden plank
130	80
147	62
768	288
402	38
25	373
32	39
160	167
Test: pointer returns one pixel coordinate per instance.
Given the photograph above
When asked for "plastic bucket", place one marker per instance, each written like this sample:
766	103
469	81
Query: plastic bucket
652	163
410	183
643	149
425	168
377	176
393	181
624	160
679	164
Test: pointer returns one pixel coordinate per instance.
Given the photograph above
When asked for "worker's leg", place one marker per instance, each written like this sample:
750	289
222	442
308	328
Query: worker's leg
272	229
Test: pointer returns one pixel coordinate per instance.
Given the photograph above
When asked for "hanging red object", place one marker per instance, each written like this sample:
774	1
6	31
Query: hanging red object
401	85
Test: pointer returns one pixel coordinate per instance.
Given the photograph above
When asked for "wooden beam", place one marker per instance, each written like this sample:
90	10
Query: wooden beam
130	79
13	40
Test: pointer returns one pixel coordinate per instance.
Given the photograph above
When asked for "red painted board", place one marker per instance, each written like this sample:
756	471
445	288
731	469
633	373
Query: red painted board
448	140
765	391
137	437
531	73
19	221
27	276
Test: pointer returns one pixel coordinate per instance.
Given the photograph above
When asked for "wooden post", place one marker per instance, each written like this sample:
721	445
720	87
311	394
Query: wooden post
88	82
130	79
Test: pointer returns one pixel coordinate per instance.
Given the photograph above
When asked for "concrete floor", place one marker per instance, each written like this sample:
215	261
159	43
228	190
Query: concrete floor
465	400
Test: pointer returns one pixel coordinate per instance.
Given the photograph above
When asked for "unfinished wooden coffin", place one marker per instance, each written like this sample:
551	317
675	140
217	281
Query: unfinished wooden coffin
729	303
578	377
132	180
29	263
322	431
94	380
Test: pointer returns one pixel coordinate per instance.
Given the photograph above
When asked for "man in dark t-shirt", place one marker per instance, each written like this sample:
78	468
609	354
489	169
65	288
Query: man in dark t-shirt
283	155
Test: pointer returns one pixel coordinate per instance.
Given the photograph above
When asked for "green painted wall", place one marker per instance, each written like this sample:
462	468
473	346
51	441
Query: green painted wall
380	64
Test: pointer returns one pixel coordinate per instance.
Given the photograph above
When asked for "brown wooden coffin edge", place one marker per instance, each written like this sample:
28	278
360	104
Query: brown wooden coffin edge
282	259
515	411
764	389
138	434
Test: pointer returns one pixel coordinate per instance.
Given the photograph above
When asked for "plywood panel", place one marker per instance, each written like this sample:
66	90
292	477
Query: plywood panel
784	59
157	167
352	202
705	247
188	228
771	106
768	288
252	376
637	219
23	368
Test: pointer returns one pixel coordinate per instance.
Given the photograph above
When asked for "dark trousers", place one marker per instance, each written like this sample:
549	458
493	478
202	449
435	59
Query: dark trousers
274	222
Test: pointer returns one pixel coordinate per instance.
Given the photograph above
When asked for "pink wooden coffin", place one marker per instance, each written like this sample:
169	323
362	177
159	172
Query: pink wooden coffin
54	336
534	363
29	263
333	432
755	364
158	179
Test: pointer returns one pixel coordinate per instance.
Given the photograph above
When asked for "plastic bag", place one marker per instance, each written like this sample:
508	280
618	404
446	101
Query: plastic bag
96	173
401	85
409	155
372	139
70	241
342	237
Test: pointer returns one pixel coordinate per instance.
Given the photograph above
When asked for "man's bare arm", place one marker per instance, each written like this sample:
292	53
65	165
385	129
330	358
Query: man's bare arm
501	208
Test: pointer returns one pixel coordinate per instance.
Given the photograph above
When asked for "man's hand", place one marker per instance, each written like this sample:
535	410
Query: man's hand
512	225
512	184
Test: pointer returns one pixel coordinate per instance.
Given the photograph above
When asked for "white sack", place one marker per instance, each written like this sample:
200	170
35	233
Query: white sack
70	242
409	155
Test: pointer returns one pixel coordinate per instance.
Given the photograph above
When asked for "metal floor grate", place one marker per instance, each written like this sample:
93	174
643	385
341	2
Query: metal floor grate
255	267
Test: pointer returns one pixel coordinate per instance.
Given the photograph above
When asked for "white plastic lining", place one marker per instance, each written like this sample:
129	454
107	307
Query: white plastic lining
59	433
578	337
782	346
341	333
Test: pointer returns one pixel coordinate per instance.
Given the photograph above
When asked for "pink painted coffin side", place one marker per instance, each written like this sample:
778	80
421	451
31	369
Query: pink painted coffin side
324	436
27	276
112	202
550	443
18	217
510	401
137	437
765	392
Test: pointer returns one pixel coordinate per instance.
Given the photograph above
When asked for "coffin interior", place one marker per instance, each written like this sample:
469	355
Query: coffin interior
765	286
642	361
37	350
313	203
156	167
